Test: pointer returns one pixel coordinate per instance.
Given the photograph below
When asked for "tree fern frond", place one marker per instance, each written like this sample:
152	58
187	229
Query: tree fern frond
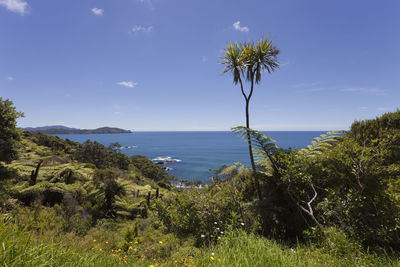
321	143
264	146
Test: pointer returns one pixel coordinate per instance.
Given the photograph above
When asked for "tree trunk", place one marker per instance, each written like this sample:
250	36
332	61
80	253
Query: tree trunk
253	165
34	174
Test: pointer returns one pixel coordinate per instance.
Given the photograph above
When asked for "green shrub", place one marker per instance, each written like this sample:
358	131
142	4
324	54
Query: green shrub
149	169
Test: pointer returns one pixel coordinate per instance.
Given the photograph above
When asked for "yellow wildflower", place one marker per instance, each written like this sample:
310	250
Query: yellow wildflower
94	240
160	242
212	258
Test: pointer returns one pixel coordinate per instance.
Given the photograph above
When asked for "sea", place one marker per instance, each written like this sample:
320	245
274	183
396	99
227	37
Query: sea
193	156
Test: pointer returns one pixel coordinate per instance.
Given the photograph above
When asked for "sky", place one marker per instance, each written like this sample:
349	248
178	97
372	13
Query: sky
153	65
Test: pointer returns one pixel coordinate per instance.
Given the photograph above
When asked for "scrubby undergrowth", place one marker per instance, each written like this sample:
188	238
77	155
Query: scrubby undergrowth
334	203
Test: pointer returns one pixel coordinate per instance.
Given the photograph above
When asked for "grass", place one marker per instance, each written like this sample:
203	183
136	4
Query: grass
241	249
236	248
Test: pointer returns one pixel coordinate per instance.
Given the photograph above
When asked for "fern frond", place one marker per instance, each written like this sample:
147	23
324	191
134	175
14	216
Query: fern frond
320	144
264	146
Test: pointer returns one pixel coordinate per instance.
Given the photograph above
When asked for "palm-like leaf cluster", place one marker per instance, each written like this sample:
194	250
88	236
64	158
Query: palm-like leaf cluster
233	61
250	59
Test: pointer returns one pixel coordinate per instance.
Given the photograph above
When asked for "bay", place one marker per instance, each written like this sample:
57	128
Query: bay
195	154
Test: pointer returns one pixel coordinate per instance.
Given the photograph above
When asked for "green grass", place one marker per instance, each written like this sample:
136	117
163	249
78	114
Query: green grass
19	248
241	249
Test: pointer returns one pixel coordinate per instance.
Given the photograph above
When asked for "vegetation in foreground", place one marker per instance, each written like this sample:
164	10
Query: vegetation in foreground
334	203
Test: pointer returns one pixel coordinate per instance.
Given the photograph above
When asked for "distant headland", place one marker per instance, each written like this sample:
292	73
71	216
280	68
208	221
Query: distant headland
60	129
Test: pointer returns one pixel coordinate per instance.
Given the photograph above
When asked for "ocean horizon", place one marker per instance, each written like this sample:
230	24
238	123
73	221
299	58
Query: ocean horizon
193	155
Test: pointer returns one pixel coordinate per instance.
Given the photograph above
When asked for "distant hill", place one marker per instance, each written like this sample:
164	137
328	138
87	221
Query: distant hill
59	129
45	128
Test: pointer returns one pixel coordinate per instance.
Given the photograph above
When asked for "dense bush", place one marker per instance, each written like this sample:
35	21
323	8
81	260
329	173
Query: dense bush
206	214
54	142
150	169
101	156
346	181
9	134
103	192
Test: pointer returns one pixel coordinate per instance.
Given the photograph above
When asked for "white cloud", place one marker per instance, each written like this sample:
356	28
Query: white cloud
237	27
97	11
204	59
17	6
10	78
369	91
117	112
139	28
129	84
381	109
363	108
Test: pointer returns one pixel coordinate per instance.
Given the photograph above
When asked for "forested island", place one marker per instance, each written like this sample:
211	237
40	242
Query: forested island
59	129
333	203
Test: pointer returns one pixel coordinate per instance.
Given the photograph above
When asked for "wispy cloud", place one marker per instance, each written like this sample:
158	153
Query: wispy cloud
300	127
381	109
97	11
10	78
148	2
17	6
363	108
129	84
204	59
139	28
117	112
237	27
306	84
285	63
369	91
317	89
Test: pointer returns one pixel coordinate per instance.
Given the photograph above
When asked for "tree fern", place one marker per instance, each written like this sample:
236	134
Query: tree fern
264	147
320	143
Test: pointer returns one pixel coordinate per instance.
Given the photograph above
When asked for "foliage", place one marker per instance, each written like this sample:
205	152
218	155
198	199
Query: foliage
100	156
368	130
150	169
9	134
54	142
104	189
336	181
206	214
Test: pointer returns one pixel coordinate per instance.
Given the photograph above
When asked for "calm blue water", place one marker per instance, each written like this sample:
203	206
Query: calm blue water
199	152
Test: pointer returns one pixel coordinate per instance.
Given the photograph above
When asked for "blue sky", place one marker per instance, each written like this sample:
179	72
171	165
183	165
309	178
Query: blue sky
153	64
